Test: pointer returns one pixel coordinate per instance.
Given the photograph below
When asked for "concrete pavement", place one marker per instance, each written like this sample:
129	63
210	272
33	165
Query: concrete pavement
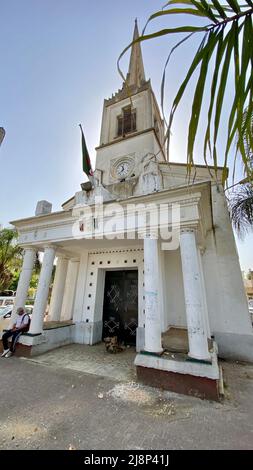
47	406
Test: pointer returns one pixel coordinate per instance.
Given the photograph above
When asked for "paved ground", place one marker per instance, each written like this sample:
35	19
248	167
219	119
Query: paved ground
93	360
48	406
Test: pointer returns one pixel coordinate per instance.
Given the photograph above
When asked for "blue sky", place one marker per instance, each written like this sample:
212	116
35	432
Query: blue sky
58	63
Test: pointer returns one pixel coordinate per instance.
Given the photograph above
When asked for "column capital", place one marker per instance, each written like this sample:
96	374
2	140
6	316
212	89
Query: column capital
191	229
148	235
62	256
29	248
49	246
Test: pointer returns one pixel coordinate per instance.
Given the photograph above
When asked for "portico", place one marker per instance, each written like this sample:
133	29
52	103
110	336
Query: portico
78	288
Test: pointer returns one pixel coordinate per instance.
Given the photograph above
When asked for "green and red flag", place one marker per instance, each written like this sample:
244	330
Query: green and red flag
87	168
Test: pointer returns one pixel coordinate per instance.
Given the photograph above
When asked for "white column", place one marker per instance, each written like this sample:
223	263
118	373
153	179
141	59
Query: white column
162	289
80	288
198	343
203	289
24	279
153	340
58	289
42	291
70	290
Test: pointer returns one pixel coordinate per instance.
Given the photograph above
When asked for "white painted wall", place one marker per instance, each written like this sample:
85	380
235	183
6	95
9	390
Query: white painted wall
175	302
70	290
81	282
226	298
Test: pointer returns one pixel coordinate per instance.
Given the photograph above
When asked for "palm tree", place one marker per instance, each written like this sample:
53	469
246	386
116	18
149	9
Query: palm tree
241	209
10	256
240	199
226	41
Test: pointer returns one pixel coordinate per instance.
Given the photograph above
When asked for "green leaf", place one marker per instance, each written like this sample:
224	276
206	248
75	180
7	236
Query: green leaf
198	96
219	9
177	2
163	32
208	11
222	43
197	59
234	5
173	11
176	11
240	92
231	130
201	6
166	65
222	87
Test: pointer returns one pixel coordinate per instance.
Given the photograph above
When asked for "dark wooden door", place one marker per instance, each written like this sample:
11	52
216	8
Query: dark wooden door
120	315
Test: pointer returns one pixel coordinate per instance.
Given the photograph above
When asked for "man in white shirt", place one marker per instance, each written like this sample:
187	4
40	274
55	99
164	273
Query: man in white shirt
20	326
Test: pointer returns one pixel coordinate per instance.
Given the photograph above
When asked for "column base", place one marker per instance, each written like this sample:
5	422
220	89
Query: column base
152	353
196	379
207	360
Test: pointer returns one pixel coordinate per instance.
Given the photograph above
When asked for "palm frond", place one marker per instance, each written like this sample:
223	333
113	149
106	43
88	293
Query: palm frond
227	38
241	209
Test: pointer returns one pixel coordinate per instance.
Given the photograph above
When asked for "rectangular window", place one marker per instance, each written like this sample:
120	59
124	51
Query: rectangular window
120	125
127	121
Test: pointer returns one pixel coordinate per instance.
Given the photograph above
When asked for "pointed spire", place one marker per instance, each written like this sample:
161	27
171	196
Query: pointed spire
136	74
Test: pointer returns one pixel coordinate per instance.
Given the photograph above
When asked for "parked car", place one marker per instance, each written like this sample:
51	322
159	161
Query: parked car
250	303
5	315
7	293
6	300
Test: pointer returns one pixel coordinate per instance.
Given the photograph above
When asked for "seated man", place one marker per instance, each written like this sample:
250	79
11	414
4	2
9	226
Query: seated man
20	326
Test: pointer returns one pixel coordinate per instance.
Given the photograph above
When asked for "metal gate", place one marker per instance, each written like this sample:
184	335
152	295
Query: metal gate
120	315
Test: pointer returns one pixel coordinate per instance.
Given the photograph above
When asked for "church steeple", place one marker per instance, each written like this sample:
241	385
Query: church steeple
131	128
136	74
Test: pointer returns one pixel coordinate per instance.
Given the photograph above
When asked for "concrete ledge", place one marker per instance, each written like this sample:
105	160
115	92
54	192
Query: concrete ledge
189	378
235	346
53	339
28	340
48	340
198	369
199	387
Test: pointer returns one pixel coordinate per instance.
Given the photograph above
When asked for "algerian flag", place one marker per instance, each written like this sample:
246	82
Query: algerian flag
86	158
2	134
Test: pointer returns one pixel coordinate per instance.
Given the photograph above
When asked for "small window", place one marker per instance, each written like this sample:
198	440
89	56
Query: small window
156	126
127	121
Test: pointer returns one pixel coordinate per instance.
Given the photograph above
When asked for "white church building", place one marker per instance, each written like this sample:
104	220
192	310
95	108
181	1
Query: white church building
142	254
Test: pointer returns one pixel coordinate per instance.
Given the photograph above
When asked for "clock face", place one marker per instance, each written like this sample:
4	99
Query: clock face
122	169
